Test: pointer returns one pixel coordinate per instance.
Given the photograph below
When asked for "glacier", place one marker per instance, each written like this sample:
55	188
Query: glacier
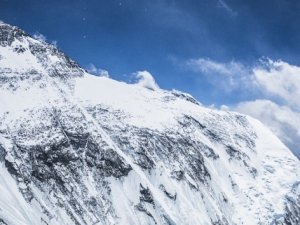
81	149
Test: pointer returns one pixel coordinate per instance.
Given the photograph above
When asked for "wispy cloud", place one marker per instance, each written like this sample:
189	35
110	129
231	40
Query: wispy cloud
222	4
146	80
39	36
92	69
207	65
54	43
170	14
228	76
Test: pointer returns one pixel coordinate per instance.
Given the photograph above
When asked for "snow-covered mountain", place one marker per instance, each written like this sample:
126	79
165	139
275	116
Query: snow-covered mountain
79	149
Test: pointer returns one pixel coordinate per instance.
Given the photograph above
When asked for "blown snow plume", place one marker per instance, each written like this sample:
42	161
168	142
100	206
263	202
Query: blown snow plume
80	149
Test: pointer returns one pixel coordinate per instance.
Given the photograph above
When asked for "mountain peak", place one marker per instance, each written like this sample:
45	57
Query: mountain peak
33	55
9	33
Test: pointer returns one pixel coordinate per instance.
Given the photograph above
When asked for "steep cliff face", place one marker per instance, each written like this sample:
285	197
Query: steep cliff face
79	149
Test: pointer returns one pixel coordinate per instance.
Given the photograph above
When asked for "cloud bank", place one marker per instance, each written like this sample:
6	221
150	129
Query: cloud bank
282	120
280	79
278	85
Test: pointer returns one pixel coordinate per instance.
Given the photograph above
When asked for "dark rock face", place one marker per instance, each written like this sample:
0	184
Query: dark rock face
147	146
57	165
2	222
292	208
146	195
185	96
171	196
2	154
62	67
65	149
9	33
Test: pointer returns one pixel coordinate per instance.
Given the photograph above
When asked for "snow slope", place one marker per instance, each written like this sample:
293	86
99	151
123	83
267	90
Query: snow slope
80	149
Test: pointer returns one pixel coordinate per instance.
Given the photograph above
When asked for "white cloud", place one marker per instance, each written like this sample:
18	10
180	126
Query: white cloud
280	79
224	5
279	106
224	107
145	79
283	121
210	66
275	84
54	43
40	37
92	69
227	76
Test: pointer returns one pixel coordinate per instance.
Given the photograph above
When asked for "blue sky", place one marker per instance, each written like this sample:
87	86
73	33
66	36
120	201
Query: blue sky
223	52
160	36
